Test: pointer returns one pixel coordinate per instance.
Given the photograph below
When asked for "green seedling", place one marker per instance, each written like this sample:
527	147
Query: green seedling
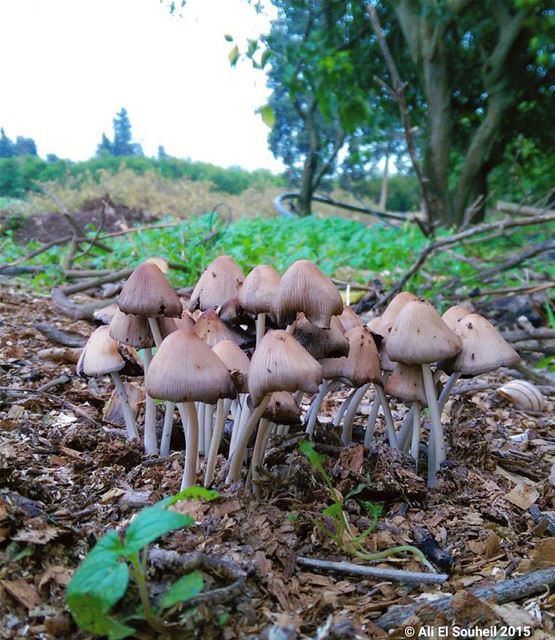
335	524
103	578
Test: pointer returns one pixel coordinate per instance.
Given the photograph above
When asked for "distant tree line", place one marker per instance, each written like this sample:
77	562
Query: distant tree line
21	147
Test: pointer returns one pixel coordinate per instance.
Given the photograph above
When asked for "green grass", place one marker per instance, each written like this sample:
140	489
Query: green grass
344	248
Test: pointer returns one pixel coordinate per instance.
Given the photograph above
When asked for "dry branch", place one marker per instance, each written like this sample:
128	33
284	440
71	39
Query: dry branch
521	209
502	592
60	336
74	310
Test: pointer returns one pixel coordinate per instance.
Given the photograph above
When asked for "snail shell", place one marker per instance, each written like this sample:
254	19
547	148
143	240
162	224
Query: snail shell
523	395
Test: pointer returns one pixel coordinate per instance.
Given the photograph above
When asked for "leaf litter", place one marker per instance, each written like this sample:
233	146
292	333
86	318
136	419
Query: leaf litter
65	479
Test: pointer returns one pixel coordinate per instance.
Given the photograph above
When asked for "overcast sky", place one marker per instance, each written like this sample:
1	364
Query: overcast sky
69	65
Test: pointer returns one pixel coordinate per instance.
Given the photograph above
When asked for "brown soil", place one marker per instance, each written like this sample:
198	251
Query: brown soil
66	477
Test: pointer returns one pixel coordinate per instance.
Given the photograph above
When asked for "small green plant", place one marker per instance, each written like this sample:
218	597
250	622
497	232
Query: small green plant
549	361
335	523
103	578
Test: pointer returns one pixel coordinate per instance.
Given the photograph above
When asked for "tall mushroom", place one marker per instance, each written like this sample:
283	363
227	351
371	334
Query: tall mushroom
257	295
219	282
185	370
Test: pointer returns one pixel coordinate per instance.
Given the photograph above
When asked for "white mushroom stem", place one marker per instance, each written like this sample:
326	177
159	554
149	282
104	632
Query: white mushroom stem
258	453
189	417
371	423
282	429
243	441
389	425
347	432
201	413
236	421
445	392
437	430
222	409
208	421
344	406
155	328
404	435
150	440
260	327
315	407
415	441
167	430
130	425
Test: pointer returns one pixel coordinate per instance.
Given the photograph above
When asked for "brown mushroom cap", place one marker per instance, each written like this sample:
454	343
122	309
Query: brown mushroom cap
452	316
407	384
212	330
483	348
105	314
148	293
219	282
258	293
282	409
322	343
185	369
132	330
420	336
362	365
391	312
279	363
236	361
349	319
100	355
305	288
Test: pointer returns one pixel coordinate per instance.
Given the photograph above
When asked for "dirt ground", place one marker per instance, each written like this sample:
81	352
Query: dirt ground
66	476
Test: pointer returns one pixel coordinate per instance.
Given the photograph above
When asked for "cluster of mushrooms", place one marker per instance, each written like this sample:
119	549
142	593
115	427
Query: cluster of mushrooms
246	350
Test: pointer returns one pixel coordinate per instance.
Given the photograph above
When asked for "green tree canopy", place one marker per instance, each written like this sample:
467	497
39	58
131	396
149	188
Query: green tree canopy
122	144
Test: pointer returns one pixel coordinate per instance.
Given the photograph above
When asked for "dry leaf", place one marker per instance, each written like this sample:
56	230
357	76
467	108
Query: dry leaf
39	535
22	591
522	496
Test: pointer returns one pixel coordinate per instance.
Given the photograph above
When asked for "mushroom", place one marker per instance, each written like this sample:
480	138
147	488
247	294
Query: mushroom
349	319
185	370
212	330
219	282
420	336
257	295
303	287
101	356
279	363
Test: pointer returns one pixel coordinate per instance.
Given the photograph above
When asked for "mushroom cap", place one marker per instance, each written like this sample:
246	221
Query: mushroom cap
407	383
452	316
100	355
388	317
362	364
305	288
259	289
185	369
420	336
105	314
132	330
349	319
322	343
282	409
220	281
212	330
236	361
148	293
483	348
279	363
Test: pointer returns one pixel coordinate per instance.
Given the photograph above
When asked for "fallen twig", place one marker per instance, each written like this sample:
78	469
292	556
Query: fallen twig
502	592
397	575
60	336
74	310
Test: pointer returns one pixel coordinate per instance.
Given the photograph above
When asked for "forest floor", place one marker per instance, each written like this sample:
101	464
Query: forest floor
66	476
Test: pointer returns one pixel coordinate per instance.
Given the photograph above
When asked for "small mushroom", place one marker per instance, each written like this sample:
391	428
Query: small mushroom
219	282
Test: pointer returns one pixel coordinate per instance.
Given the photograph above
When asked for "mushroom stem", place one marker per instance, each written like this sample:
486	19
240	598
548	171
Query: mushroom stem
344	406
236	421
258	453
437	430
260	327
208	421
167	430
389	425
371	423
150	439
445	392
404	436
155	328
222	409
130	425
315	407
243	440
201	413
347	432
189	417
415	441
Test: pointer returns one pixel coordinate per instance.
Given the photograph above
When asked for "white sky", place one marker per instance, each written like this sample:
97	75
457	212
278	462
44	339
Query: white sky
69	65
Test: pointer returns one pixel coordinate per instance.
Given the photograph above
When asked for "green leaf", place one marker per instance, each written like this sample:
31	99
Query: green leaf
88	612
316	459
268	115
184	589
108	549
266	55
333	510
233	56
550	315
228	37
194	493
150	524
